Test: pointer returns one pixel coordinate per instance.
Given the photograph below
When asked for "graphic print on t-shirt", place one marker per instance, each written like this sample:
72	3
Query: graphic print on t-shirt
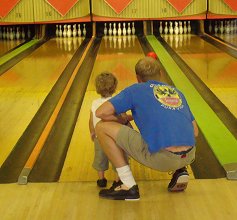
167	96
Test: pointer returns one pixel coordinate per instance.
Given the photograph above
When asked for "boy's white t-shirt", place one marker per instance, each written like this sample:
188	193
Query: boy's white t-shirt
96	104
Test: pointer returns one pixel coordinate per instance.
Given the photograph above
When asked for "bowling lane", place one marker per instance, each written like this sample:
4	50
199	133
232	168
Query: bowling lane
6	45
24	87
213	66
118	56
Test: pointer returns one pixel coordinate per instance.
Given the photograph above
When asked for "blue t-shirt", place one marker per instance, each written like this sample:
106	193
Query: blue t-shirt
160	112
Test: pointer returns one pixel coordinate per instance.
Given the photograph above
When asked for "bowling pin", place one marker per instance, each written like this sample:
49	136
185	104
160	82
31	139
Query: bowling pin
8	34
11	36
110	29
4	33
210	27
129	29
79	30
133	29
105	29
216	27
69	31
166	28
60	32
119	29
185	28
64	30
222	27
171	30
227	27
74	31
160	28
14	32
181	27
114	30
28	32
232	26
176	28
18	34
23	35
56	32
189	27
84	30
124	29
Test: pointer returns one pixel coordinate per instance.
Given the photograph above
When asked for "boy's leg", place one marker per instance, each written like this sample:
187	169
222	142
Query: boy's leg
100	164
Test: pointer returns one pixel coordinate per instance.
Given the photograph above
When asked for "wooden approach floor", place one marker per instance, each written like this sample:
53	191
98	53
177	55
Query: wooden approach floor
204	199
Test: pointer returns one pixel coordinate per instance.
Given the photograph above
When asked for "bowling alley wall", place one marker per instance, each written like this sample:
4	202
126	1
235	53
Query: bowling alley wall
37	11
14	12
150	9
222	9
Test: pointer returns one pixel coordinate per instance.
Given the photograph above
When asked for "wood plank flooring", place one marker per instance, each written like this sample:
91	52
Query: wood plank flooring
203	199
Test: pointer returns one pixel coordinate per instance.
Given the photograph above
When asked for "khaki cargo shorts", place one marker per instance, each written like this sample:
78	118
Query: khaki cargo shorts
133	144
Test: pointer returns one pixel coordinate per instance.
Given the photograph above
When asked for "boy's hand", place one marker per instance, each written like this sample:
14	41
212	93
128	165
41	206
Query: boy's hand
93	136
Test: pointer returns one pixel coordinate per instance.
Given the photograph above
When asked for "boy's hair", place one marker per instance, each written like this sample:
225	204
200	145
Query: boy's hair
147	68
105	84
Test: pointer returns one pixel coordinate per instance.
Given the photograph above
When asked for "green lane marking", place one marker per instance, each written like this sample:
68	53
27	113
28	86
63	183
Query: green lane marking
17	51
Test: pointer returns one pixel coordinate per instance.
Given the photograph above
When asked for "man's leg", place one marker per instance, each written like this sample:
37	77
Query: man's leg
107	133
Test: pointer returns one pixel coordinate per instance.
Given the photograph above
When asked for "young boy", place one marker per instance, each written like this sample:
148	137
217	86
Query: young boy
105	84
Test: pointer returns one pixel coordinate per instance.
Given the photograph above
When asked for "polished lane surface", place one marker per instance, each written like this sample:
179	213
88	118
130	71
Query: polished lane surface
228	38
6	45
214	67
24	87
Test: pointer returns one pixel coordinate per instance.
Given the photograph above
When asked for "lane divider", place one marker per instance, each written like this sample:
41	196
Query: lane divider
222	42
23	178
17	51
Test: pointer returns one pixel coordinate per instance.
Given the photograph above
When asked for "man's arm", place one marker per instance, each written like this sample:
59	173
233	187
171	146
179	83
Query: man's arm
106	112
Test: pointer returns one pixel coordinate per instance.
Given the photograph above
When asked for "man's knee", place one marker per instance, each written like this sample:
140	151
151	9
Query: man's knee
99	127
108	128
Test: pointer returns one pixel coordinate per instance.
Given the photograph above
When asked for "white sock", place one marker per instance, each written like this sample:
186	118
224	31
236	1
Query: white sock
126	176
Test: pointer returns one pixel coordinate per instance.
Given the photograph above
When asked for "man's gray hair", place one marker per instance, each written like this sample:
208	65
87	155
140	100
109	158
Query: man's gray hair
148	68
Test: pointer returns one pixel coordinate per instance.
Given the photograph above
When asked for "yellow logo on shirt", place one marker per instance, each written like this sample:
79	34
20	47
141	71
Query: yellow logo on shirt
167	95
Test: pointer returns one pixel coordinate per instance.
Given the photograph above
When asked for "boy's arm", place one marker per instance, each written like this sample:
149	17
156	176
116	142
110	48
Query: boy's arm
91	127
195	128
